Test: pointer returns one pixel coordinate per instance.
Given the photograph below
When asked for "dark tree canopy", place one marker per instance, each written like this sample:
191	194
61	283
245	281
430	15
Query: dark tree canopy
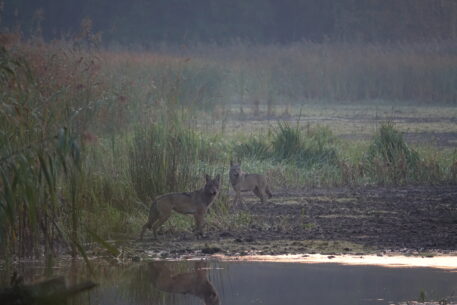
261	21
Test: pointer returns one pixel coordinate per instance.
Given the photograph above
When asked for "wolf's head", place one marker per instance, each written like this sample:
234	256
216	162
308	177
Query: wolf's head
210	294
235	171
212	185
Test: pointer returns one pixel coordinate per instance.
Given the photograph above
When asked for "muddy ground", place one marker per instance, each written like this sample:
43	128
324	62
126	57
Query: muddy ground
417	220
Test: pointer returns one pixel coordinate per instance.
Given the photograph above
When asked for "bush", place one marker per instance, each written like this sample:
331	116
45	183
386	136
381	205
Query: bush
319	147
315	147
287	142
389	159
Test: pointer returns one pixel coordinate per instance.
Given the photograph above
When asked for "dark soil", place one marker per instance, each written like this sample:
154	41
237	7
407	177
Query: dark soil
412	219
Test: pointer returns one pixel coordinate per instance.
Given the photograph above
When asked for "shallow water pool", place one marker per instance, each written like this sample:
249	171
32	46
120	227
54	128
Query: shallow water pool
269	283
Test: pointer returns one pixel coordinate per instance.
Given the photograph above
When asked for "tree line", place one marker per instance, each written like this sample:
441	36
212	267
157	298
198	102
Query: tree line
260	21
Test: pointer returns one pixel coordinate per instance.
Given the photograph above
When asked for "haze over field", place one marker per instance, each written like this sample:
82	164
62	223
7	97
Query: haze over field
148	23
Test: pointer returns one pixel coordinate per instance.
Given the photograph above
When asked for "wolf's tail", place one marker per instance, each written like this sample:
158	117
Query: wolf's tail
267	190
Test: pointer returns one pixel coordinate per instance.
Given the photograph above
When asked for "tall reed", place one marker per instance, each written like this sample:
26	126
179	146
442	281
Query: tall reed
49	97
166	157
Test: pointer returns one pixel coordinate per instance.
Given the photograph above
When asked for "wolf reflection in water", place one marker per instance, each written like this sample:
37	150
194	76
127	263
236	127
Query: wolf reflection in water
194	283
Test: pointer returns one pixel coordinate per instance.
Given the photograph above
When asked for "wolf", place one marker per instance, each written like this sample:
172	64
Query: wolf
242	181
194	283
195	203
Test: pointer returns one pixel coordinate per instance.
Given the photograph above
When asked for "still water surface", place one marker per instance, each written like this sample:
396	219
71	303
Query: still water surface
179	283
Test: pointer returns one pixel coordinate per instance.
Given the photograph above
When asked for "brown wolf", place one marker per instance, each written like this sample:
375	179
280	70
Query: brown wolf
195	203
248	182
195	283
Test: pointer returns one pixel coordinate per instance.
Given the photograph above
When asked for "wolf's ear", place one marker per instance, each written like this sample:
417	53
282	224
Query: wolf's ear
231	162
207	178
218	179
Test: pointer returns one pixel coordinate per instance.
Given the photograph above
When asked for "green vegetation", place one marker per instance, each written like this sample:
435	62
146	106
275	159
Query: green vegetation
88	136
291	144
390	158
167	158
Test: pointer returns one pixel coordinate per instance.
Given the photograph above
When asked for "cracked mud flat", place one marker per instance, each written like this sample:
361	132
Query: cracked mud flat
413	220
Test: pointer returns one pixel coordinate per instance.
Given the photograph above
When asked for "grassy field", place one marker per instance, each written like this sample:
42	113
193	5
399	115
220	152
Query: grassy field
89	136
349	119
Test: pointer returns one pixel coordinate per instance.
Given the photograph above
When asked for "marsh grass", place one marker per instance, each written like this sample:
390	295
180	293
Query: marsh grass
313	156
161	160
49	97
253	148
304	148
287	142
389	159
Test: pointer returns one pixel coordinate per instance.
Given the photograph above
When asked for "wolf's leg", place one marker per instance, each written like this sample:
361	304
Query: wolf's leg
268	191
199	222
238	200
146	226
256	191
259	194
263	199
162	217
152	218
151	222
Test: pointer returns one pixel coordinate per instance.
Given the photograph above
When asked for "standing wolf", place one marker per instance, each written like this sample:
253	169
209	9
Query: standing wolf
195	203
248	182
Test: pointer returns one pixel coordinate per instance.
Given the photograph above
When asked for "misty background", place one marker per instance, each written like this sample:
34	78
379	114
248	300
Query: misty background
146	23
